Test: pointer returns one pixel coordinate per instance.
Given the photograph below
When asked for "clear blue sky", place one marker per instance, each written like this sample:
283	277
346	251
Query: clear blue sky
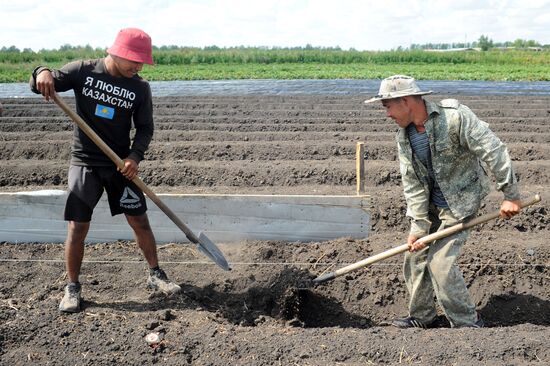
359	24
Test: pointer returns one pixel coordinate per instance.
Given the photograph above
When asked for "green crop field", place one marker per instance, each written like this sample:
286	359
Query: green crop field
258	63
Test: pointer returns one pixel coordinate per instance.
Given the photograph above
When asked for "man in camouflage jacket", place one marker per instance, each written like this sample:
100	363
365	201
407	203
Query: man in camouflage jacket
444	151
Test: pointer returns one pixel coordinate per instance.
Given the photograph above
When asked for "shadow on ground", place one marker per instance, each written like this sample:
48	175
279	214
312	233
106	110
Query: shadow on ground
513	309
288	298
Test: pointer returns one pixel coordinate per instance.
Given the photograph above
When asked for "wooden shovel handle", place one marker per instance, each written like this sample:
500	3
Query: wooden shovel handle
88	131
120	164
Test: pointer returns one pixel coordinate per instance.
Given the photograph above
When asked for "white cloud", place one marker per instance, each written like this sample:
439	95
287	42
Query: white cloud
361	24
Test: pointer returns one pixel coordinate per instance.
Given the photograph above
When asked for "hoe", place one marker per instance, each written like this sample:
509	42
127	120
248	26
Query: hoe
426	240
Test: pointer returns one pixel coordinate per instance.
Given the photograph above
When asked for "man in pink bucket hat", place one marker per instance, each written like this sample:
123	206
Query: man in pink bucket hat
109	95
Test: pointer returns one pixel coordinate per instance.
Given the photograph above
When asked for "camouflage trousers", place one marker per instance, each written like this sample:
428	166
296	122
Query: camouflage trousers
433	271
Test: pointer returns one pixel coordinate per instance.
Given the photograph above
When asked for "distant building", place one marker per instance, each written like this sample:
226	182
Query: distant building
536	49
453	49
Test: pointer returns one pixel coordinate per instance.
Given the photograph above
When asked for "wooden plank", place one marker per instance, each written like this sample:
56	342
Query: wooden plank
37	217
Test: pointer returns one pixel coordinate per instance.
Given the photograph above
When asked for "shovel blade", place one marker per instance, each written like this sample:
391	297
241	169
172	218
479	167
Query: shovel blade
208	248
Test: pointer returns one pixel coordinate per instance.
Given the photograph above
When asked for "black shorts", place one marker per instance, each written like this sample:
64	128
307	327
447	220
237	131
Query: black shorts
86	186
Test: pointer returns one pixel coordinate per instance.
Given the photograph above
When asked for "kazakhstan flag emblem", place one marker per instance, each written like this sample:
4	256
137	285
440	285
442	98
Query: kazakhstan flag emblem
104	111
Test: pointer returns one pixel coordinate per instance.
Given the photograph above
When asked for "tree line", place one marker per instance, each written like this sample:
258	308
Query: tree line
484	43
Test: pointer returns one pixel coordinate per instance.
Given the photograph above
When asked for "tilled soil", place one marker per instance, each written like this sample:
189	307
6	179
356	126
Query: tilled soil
266	310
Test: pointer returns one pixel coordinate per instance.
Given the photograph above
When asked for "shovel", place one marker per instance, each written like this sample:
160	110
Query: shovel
425	240
205	245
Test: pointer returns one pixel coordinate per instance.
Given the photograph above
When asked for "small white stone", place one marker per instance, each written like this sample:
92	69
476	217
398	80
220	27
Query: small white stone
153	338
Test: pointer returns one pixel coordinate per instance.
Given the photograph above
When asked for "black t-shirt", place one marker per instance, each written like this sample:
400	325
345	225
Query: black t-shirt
108	104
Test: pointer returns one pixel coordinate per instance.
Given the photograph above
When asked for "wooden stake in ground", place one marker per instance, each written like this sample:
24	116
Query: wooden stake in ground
205	245
360	167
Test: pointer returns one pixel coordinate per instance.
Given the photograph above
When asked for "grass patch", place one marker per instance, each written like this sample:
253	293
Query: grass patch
254	63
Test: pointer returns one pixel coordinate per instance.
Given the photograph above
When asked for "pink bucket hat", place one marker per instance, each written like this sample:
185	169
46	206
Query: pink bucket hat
133	44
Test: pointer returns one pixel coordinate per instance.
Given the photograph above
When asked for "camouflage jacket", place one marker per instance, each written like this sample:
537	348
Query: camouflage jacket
462	148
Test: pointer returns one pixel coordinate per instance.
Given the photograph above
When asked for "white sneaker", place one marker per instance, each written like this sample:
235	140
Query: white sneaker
71	301
159	281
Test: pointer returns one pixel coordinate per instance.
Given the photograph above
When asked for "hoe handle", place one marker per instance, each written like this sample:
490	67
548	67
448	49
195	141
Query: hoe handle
425	239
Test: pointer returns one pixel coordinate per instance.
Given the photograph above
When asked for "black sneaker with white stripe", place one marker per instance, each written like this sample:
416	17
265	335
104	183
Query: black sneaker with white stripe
412	322
478	324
